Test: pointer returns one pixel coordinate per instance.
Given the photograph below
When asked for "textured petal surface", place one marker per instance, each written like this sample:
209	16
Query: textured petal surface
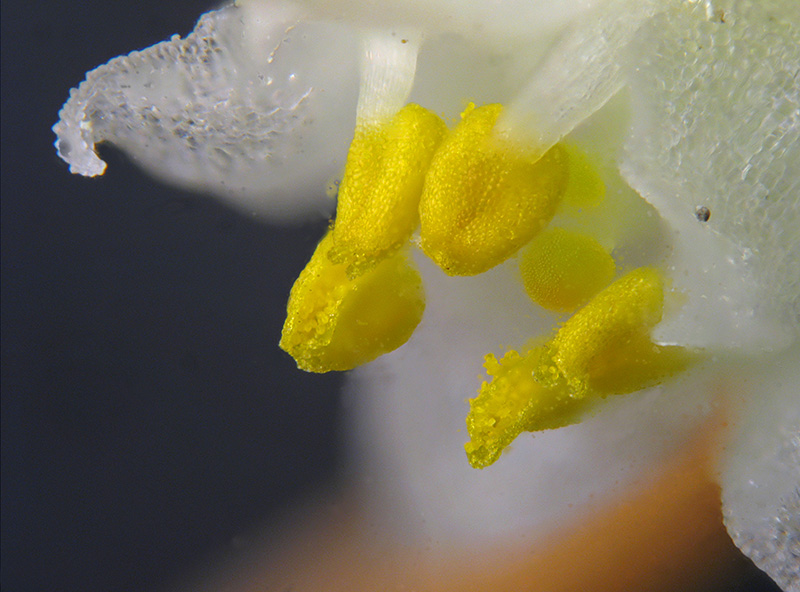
716	123
761	470
253	106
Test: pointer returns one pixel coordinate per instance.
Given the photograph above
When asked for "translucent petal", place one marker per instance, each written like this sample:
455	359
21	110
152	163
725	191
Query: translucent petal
493	24
253	106
761	470
716	123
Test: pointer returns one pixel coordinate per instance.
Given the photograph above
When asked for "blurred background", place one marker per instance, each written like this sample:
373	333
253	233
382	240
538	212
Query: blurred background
149	420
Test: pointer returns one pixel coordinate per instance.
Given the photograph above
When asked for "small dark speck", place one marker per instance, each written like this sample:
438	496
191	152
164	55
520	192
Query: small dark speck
404	41
702	213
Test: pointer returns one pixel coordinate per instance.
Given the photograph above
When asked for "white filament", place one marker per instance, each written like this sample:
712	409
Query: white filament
388	66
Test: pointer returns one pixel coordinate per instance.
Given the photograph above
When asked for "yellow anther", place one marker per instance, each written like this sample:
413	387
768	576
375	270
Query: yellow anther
561	269
513	402
626	309
485	197
334	322
585	188
637	363
378	206
603	349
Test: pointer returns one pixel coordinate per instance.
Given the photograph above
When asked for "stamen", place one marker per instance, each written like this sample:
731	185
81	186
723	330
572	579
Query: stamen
337	323
379	195
629	307
358	297
604	349
484	196
561	269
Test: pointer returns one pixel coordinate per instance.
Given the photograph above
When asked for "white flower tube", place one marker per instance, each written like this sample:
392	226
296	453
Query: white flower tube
680	164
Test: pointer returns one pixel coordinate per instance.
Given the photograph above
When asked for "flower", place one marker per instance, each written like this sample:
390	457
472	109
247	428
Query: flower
615	211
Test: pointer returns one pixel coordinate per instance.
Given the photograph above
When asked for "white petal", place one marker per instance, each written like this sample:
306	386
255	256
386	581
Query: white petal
716	123
492	23
761	470
253	106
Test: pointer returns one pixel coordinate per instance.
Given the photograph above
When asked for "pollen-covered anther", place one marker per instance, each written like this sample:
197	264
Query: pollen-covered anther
378	206
604	349
562	269
511	403
617	319
486	196
335	322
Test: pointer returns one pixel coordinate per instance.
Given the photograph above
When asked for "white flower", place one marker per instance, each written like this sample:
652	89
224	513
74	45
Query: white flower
686	113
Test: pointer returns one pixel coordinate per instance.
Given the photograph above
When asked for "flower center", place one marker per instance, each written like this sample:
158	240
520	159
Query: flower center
477	199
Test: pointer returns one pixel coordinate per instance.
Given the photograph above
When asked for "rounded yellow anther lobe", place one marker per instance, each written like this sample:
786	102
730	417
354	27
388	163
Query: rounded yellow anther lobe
379	195
562	269
334	322
629	307
484	196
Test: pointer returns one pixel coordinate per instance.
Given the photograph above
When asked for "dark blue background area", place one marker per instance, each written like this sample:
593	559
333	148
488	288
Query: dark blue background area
148	416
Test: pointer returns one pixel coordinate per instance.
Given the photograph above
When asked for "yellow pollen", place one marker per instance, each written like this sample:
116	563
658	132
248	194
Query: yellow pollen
604	349
561	269
478	199
334	322
630	306
485	197
379	195
512	403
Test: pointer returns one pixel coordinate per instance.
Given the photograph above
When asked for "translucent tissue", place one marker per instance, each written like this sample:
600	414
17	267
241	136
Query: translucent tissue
246	107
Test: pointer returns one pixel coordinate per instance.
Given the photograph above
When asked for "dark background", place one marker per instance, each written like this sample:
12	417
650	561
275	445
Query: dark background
148	417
